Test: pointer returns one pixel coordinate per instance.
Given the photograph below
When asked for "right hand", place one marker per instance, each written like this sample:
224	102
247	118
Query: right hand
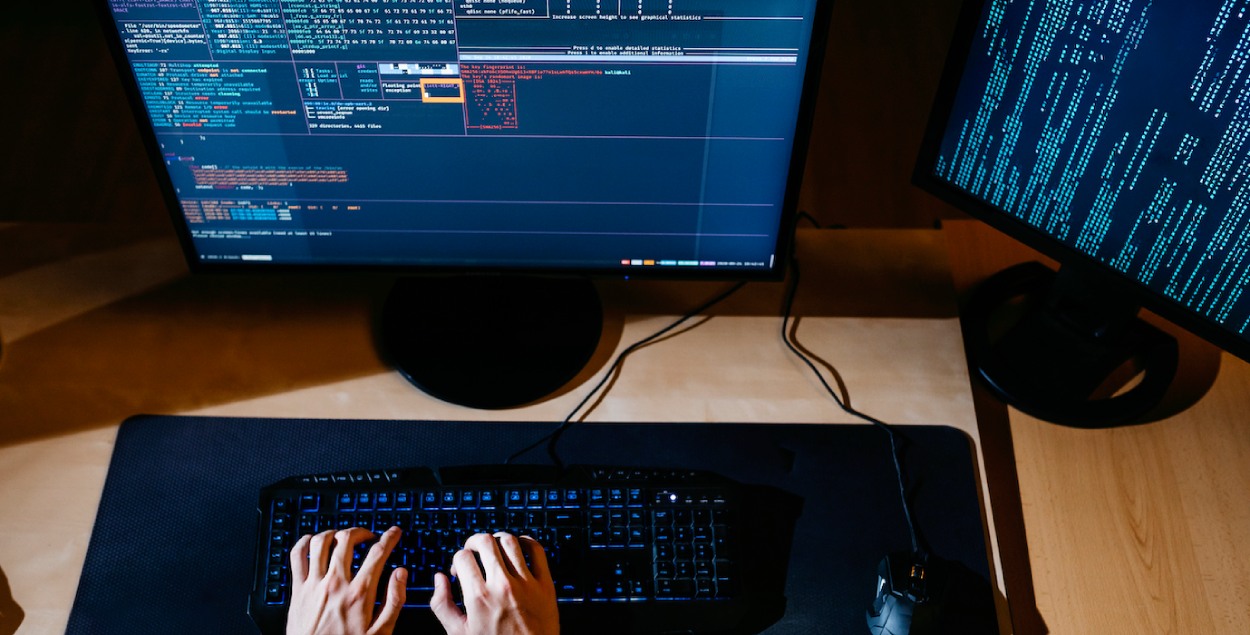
503	596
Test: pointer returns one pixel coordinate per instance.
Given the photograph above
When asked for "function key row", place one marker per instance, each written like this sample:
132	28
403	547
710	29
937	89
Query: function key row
382	477
487	499
353	478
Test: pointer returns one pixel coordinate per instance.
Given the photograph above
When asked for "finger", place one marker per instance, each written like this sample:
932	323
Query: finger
344	542
448	614
319	555
299	561
487	550
513	557
396	593
467	571
370	570
537	557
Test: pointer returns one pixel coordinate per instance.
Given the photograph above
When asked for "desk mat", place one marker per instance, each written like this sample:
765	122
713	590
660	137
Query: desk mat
172	548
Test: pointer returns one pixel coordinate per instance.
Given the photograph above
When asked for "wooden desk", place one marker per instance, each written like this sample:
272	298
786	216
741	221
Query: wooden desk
92	338
1134	530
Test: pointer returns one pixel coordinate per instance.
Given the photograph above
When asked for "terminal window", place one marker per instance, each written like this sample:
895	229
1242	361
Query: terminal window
528	133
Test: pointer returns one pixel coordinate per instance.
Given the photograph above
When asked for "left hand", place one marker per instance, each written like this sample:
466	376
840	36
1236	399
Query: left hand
326	600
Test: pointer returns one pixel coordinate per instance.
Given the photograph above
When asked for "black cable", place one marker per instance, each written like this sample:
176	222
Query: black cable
803	215
846	407
553	437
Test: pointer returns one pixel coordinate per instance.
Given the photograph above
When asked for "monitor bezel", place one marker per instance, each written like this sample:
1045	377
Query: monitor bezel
923	177
783	247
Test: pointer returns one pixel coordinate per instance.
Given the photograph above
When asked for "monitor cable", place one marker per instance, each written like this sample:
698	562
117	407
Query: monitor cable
791	341
553	438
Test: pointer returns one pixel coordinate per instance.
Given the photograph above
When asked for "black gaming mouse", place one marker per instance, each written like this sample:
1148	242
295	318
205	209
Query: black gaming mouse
907	584
919	594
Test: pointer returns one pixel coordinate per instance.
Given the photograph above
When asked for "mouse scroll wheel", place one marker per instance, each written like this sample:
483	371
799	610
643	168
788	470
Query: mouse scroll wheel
917	573
916	588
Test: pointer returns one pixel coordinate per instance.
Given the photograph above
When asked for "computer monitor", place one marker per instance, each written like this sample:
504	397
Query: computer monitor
509	142
1115	138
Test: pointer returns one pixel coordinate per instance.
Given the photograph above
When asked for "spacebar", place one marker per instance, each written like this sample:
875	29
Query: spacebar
419	596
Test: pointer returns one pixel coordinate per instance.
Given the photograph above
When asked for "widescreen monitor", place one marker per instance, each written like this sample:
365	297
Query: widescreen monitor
558	138
1113	136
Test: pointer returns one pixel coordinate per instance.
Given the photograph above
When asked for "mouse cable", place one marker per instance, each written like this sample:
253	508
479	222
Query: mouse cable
553	437
845	406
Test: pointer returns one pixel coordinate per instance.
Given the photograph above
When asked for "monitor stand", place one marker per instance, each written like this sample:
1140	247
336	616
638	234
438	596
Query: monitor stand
490	341
1065	347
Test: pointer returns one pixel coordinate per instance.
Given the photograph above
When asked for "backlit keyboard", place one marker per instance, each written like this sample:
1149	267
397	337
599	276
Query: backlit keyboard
631	550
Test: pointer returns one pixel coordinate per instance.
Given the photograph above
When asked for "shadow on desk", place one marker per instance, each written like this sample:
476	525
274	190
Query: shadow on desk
11	615
204	341
190	344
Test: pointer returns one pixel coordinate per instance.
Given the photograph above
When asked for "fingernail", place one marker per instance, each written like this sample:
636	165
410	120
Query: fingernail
402	575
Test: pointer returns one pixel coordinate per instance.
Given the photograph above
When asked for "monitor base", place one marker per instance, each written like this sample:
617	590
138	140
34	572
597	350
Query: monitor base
490	342
1070	353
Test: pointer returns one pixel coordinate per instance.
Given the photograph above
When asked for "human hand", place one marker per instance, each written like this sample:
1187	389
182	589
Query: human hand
326	600
503	596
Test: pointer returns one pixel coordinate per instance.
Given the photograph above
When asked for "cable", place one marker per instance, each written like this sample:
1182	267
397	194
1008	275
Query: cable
553	437
844	405
807	216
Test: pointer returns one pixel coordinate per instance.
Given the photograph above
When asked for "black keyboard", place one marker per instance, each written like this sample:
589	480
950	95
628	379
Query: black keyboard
631	550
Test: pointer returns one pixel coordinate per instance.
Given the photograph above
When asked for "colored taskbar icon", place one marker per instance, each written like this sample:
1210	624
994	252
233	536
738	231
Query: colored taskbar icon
667	263
633	262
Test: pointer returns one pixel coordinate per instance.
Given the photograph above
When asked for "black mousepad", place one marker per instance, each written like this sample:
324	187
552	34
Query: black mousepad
172	548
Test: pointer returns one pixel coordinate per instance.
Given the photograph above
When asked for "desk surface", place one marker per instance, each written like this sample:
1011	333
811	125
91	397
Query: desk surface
92	338
1135	530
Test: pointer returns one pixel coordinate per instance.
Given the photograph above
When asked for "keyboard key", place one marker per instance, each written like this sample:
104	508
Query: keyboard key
514	499
554	499
309	502
597	497
535	499
637	537
674	589
429	500
616	497
385	501
346	502
705	589
564	518
450	500
634	497
403	501
569	590
487	499
663	534
275	593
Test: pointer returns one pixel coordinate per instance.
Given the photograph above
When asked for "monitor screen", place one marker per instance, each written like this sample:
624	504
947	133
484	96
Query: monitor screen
1115	133
631	138
624	137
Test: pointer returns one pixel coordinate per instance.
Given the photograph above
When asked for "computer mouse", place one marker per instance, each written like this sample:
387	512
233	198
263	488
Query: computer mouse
908	585
922	594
